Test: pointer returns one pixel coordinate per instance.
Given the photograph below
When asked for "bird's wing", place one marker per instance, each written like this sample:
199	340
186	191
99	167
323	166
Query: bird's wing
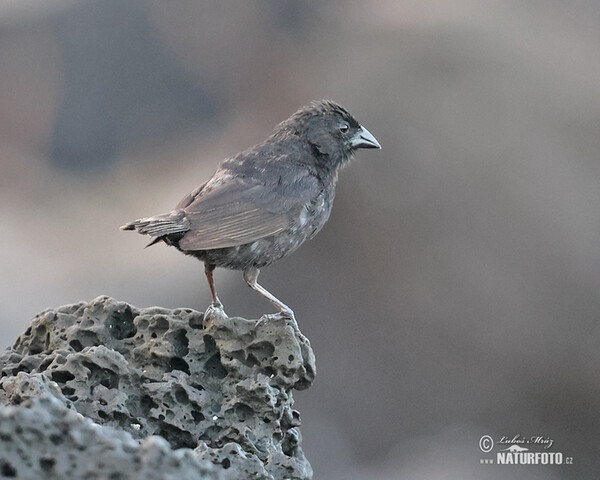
241	211
190	197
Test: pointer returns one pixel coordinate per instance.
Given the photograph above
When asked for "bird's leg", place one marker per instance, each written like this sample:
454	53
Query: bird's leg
208	270
251	277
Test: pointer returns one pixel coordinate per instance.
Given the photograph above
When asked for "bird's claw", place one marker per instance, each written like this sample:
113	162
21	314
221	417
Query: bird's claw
281	315
215	309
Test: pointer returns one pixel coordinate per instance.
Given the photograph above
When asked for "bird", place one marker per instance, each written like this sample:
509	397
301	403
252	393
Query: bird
263	203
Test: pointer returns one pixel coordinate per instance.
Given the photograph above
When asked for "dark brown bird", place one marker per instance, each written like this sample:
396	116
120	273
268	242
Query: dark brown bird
263	203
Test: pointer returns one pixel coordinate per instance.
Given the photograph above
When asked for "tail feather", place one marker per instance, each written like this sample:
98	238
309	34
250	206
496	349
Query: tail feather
160	225
154	242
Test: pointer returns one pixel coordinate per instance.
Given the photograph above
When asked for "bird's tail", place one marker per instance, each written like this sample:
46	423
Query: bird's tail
160	225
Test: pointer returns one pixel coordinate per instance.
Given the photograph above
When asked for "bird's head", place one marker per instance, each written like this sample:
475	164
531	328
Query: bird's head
331	131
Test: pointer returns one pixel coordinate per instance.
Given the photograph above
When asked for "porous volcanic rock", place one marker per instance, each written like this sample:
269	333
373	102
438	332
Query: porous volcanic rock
42	438
220	386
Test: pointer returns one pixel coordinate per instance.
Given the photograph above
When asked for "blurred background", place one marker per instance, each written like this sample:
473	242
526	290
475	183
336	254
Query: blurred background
454	292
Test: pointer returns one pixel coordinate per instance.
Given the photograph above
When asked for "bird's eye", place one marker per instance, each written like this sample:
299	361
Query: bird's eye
344	127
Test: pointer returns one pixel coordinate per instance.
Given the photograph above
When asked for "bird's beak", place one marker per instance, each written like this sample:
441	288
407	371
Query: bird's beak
364	139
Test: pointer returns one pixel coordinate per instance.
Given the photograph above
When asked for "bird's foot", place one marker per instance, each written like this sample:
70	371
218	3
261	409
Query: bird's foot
286	315
216	308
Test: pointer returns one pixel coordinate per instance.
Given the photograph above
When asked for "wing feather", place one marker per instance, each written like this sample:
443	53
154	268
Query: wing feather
242	211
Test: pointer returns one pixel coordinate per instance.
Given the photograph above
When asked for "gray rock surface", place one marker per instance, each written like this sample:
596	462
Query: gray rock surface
93	388
42	438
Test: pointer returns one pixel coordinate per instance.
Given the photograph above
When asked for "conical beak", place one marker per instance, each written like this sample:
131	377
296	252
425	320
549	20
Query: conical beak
364	139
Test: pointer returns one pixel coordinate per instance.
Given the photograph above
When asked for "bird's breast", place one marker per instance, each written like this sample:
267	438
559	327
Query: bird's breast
315	214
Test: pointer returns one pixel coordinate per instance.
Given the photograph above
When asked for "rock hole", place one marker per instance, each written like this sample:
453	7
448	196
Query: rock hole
47	464
8	470
209	343
159	324
226	463
56	439
67	391
197	321
62	376
101	376
121	417
176	363
142	324
239	355
180	343
147	404
44	365
243	411
211	434
120	324
289	443
87	338
291	358
214	367
263	350
20	368
176	437
34	349
252	361
76	345
198	417
181	396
